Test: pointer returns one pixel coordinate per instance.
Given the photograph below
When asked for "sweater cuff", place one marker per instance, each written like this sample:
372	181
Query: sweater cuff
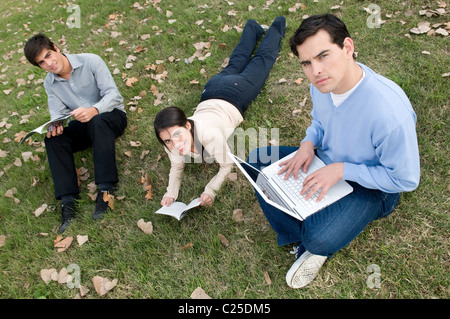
209	191
174	195
308	139
351	172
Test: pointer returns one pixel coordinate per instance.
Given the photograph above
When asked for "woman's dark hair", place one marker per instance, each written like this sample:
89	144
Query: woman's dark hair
35	45
311	25
168	117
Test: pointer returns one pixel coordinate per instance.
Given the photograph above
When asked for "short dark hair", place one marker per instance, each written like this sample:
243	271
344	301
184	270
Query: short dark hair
168	117
35	45
311	25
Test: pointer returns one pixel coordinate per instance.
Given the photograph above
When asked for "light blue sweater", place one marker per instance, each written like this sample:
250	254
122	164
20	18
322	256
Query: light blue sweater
373	132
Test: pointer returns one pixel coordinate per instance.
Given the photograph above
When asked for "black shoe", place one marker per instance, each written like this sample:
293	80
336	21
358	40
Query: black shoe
68	210
101	207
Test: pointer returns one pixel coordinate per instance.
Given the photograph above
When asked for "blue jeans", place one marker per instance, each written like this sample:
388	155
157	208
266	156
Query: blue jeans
332	228
241	81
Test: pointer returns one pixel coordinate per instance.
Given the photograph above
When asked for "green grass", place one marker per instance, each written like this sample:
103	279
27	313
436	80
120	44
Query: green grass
410	246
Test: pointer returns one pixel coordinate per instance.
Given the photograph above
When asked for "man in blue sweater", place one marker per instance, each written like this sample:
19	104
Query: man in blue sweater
363	129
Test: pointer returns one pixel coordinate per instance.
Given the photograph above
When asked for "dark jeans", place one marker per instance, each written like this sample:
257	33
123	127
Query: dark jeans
241	81
100	133
332	228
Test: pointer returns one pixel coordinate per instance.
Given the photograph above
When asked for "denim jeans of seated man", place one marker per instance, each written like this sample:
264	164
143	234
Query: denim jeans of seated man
332	228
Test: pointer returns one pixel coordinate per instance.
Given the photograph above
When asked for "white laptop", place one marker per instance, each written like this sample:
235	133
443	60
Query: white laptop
285	194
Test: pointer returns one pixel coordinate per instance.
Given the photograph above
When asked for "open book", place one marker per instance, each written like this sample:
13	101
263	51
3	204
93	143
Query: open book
178	209
44	128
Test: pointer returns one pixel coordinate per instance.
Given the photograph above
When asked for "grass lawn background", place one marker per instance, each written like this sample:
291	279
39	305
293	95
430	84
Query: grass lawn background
410	247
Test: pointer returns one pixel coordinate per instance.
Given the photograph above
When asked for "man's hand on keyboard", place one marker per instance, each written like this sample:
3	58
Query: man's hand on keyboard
303	157
323	179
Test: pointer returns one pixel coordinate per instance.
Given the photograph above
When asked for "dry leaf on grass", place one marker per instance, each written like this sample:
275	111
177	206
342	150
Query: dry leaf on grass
135	143
146	183
83	291
63	276
92	187
187	246
146	227
199	293
223	240
107	197
298	81
149	195
237	215
267	278
48	275
232	176
2	240
17	162
62	244
10	194
129	82
40	210
3	153
52	274
27	156
82	239
103	285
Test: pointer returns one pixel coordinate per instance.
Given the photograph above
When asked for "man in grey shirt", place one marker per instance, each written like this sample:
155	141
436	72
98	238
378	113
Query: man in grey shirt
80	85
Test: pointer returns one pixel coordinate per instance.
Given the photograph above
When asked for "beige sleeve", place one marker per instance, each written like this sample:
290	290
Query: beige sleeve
216	182
219	149
176	171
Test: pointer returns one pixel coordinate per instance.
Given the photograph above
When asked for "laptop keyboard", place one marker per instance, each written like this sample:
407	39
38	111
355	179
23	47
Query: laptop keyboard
294	186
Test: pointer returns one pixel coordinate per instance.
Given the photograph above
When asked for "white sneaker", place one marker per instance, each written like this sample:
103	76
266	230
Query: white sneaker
304	270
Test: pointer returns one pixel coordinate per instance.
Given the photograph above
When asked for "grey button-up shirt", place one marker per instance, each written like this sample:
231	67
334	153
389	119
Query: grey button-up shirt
90	84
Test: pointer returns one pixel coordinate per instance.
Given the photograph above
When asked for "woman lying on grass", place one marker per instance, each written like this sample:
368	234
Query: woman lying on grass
224	100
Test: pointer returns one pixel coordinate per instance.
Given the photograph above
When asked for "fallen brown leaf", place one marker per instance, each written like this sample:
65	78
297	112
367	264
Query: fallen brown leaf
237	215
11	192
267	278
83	291
40	210
92	187
82	239
199	293
63	276
149	195
232	176
63	244
107	197
298	81
2	240
48	275
103	285
3	153
223	240
135	143
146	227
129	82
187	246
